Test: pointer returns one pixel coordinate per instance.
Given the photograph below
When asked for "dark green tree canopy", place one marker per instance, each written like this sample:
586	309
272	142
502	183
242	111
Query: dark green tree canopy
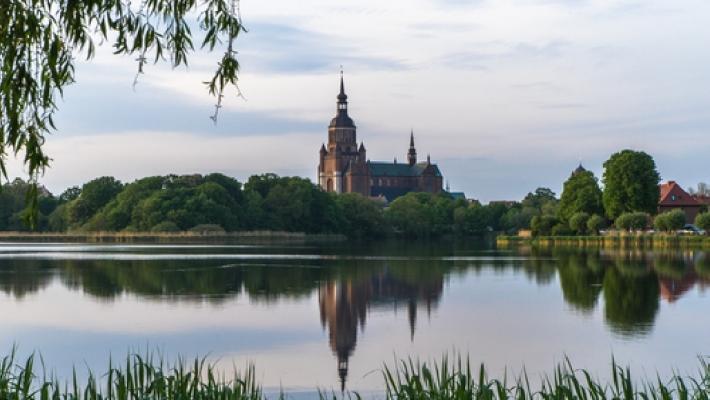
580	194
630	183
40	40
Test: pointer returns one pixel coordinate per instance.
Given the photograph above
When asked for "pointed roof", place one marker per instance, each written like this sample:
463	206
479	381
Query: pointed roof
411	139
674	195
579	169
342	97
342	119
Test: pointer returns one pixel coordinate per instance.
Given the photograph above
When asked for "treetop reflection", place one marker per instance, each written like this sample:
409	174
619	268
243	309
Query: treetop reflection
631	283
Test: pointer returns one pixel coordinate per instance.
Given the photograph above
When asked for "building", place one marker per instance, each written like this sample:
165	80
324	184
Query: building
674	197
344	167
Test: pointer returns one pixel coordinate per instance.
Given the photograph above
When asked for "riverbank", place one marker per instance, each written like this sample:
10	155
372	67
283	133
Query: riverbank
169	237
145	378
619	240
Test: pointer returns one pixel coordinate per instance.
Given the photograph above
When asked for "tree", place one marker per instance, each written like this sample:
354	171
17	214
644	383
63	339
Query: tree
703	221
542	225
630	183
595	223
580	193
669	221
578	222
633	221
362	218
94	195
40	41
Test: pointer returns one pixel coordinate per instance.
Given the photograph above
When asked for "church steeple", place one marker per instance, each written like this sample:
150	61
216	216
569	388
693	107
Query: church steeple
342	120
412	153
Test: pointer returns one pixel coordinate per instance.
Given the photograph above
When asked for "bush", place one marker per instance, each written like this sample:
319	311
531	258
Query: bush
165	226
595	223
669	221
561	229
632	221
578	222
542	225
703	221
209	229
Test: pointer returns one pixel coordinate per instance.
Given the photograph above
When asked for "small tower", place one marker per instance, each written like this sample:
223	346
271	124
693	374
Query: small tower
412	153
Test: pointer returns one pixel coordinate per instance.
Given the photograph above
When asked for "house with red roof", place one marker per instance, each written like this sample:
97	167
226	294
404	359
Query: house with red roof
674	197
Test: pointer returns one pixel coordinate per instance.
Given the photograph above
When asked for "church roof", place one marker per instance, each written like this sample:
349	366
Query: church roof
400	169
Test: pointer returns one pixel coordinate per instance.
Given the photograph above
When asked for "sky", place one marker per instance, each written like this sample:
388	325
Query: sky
506	95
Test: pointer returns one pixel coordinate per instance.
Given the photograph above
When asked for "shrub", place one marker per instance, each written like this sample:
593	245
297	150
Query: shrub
595	223
669	221
632	221
578	222
210	229
561	229
165	226
703	221
542	225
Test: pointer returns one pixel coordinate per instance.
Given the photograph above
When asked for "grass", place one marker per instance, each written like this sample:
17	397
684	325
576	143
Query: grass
158	237
143	378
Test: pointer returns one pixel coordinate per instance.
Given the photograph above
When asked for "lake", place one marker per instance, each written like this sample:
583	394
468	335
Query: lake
328	316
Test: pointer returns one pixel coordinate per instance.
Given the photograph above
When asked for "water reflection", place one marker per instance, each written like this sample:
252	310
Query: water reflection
352	283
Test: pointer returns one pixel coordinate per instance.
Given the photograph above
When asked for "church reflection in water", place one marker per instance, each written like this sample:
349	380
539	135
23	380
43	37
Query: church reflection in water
627	285
344	305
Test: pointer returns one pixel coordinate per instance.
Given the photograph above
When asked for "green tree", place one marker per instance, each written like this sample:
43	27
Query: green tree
421	214
361	217
40	41
633	221
542	225
669	221
595	223
630	183
630	301
703	221
580	193
94	195
578	222
471	220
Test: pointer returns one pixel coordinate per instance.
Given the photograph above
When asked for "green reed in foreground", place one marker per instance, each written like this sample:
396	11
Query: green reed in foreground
144	379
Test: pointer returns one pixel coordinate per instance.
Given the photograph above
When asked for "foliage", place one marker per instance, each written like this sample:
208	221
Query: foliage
94	195
669	221
166	226
207	229
421	214
362	218
561	229
578	222
630	183
703	221
632	221
580	193
595	223
13	207
40	40
542	225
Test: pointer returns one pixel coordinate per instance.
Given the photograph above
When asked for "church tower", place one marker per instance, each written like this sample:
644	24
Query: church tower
412	153
342	150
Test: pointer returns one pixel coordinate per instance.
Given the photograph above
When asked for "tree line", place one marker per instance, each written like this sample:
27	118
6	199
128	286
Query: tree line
216	202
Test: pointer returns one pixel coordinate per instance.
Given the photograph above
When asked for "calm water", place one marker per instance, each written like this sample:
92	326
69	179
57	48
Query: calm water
310	316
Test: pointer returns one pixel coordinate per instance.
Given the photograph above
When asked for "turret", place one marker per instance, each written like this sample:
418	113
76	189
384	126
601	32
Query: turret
412	153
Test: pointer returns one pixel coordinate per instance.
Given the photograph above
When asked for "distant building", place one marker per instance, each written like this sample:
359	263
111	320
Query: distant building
673	197
344	167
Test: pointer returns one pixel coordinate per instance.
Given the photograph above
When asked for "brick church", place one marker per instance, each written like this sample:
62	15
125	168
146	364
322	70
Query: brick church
344	167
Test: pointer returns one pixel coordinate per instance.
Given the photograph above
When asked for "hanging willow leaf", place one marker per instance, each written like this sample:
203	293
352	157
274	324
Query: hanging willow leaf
39	40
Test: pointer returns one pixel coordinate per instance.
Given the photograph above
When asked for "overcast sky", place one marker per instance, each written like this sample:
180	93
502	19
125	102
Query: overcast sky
505	95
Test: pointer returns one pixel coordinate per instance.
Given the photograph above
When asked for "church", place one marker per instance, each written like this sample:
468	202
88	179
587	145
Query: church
345	168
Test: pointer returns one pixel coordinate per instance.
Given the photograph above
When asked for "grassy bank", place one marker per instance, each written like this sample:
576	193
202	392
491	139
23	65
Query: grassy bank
144	379
623	240
167	237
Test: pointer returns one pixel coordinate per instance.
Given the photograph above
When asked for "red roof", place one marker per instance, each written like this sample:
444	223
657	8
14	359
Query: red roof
674	195
702	199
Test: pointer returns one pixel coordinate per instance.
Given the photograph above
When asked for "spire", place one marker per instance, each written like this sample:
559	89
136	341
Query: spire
412	153
322	149
342	97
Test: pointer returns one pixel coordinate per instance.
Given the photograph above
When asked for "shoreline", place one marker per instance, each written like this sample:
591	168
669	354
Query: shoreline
168	237
622	240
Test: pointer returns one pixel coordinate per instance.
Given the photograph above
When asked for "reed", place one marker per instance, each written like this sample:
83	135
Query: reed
147	378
